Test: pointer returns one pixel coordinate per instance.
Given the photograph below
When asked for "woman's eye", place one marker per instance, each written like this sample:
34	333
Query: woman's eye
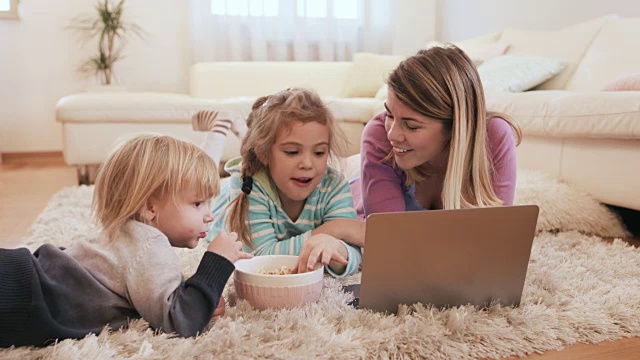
320	153
295	152
408	126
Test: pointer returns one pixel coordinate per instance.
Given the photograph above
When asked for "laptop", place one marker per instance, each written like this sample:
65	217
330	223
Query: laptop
445	257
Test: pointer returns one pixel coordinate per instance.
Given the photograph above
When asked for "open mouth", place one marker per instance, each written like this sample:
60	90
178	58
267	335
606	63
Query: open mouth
302	181
401	150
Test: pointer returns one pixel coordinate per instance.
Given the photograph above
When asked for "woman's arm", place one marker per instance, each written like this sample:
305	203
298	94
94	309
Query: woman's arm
381	183
502	149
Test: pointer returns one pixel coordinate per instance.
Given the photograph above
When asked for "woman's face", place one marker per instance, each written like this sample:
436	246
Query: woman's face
416	139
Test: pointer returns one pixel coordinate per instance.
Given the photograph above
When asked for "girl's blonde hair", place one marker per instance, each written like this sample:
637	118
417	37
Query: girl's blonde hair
270	116
148	166
442	83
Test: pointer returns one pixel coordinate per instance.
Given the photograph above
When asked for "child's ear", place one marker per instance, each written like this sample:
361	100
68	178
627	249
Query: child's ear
263	159
148	211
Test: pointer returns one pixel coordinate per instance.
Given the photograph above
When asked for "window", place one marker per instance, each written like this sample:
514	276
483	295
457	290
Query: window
340	9
9	9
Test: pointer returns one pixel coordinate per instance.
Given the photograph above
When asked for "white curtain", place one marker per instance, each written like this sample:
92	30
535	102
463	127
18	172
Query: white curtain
287	35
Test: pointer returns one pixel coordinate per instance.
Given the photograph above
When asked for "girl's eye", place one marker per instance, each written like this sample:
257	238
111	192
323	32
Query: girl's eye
294	152
198	203
320	153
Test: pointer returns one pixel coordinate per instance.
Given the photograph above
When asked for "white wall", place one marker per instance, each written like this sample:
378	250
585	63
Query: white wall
462	19
414	25
39	60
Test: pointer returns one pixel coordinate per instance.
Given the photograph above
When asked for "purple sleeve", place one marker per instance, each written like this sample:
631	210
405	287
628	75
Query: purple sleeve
381	183
502	148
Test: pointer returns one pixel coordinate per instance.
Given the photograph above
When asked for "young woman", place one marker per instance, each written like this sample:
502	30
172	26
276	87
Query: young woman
435	146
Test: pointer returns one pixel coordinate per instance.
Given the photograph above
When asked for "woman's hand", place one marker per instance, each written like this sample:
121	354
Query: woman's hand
219	311
348	230
228	245
325	249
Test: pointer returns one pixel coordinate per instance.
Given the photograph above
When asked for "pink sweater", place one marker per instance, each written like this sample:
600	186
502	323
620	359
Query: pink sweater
381	188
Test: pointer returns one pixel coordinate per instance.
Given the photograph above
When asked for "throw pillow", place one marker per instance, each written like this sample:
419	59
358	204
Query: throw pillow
516	73
626	83
368	72
382	93
480	53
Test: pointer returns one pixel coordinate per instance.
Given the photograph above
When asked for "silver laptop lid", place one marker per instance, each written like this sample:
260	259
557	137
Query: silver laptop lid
446	257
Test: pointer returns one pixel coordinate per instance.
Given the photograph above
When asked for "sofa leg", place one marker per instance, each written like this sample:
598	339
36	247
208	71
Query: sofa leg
83	174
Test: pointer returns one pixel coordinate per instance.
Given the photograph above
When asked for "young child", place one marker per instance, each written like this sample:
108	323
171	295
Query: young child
281	197
152	194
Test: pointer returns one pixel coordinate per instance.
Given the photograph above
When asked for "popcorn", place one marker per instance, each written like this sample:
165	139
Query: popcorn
284	270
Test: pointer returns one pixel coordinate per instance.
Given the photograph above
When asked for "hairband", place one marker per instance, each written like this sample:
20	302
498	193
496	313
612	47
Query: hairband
247	184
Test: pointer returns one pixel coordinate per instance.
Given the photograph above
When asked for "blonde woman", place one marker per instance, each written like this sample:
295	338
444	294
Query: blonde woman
435	146
151	194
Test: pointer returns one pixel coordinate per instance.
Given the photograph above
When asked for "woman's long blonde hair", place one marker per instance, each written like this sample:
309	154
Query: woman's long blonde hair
442	83
270	116
146	166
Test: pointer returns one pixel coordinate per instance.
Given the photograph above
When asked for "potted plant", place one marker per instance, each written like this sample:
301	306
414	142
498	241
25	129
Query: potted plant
107	24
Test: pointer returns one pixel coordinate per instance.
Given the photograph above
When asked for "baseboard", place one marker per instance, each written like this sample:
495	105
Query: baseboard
27	158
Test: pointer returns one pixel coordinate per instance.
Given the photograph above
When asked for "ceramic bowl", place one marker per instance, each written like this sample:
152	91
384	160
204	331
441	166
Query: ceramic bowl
265	291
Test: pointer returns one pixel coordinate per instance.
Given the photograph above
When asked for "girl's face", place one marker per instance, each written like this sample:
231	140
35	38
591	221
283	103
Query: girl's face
416	139
183	220
298	161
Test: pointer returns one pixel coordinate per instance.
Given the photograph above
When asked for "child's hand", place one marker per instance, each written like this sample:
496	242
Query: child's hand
228	245
325	249
219	310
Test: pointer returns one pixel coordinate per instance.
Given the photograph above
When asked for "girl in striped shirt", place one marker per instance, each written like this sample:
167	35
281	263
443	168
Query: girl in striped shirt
281	197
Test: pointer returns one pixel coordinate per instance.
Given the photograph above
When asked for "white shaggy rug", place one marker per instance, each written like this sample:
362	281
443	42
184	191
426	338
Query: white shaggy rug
578	289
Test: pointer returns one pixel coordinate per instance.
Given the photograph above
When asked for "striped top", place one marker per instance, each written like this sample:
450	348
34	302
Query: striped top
272	231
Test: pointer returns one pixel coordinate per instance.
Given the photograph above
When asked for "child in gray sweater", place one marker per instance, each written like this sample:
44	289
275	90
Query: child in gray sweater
151	194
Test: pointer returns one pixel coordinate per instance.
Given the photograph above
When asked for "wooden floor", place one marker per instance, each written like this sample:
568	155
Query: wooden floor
28	181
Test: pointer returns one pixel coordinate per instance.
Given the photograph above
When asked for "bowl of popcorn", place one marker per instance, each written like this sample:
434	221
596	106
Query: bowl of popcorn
269	282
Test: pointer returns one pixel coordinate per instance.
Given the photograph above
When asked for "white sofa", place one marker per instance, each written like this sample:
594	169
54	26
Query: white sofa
572	130
91	122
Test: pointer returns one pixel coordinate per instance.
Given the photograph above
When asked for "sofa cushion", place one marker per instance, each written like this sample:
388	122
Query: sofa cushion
612	54
516	73
570	44
567	114
626	83
368	72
